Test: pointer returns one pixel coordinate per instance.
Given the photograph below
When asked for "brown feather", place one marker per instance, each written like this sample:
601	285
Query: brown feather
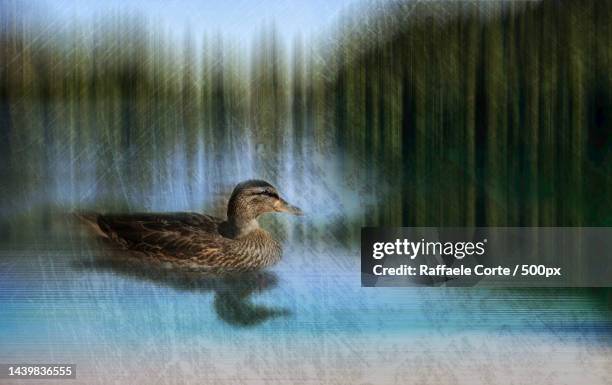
198	241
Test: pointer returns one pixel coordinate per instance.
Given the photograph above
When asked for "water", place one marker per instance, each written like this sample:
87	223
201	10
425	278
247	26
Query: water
305	320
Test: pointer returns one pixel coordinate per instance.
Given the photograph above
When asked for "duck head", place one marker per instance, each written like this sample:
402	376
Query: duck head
252	198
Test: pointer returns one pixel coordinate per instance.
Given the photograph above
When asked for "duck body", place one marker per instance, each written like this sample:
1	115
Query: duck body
199	241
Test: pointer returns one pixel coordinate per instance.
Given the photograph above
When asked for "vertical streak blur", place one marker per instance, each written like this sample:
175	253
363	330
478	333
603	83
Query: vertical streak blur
413	113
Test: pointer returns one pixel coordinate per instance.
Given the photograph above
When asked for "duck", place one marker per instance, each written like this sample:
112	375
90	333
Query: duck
198	241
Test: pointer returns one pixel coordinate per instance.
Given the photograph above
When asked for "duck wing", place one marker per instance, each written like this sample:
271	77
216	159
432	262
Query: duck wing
175	234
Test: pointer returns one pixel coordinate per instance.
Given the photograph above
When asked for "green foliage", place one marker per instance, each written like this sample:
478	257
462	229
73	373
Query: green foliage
448	113
480	113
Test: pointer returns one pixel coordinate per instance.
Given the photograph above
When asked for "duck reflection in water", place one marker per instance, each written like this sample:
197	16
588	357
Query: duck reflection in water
233	292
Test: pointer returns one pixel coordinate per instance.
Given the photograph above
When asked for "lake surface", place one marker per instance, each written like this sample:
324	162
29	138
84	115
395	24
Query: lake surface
305	321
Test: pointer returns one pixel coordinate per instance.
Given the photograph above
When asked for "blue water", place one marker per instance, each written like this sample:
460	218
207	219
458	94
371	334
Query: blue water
307	320
68	300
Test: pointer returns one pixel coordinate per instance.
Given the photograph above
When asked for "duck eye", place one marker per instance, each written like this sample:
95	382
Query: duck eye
269	194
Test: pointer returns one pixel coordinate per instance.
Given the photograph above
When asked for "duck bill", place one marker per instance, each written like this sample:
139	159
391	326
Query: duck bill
281	205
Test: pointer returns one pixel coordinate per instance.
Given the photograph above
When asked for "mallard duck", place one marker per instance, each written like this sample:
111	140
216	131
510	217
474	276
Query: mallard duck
199	241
